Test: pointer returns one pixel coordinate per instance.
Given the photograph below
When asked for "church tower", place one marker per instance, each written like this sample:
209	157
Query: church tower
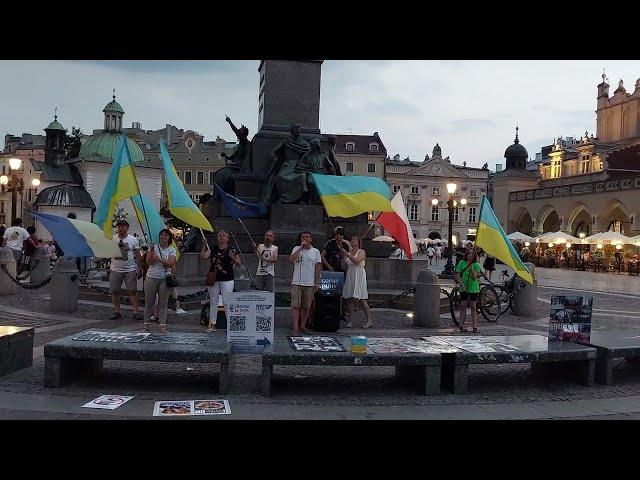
54	145
113	114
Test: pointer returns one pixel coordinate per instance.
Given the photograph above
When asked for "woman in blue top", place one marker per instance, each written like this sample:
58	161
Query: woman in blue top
467	272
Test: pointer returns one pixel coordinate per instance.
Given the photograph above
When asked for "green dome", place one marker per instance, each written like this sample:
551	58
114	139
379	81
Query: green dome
113	106
104	145
55	125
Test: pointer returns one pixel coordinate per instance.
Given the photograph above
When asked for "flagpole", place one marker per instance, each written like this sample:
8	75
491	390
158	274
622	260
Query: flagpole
368	229
240	252
204	239
144	212
245	229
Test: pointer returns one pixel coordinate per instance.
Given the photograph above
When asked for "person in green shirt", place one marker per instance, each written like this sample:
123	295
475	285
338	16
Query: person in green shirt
467	272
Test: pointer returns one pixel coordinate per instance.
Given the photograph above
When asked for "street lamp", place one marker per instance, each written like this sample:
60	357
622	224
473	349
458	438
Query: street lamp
451	206
14	164
35	182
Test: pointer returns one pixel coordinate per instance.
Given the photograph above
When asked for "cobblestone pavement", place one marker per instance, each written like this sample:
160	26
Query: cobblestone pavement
495	391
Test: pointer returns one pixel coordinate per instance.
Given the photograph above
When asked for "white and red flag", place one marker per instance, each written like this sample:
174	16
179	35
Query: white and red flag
397	224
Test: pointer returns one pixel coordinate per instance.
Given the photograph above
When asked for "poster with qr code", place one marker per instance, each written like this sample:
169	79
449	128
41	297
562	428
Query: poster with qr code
251	316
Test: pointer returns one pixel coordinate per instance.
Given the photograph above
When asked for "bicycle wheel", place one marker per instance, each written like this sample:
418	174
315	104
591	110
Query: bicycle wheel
505	300
454	304
489	303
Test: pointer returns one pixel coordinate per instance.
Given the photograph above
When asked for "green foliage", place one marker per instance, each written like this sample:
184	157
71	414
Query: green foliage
118	214
72	143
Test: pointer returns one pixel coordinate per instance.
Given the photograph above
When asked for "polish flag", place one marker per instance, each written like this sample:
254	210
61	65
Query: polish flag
397	224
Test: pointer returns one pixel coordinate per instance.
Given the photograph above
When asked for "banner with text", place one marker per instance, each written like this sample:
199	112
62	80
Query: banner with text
250	320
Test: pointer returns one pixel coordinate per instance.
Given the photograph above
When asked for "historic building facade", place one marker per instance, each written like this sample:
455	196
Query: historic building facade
421	182
361	155
587	186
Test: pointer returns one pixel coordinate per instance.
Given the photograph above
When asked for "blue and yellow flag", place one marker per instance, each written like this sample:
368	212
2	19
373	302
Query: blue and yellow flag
179	202
350	196
150	219
238	208
492	239
120	185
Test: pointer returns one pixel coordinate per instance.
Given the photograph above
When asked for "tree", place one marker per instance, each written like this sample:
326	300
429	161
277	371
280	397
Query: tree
72	143
118	215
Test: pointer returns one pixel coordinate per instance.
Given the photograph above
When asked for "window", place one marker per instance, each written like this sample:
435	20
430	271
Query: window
472	215
2	206
189	159
200	178
556	166
373	147
473	192
196	197
371	168
350	146
212	175
179	175
456	216
415	190
435	191
187	178
435	214
206	159
30	195
413	211
349	166
584	164
4	169
396	188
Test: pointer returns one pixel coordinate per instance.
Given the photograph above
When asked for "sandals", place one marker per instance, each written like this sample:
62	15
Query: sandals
463	330
475	330
367	325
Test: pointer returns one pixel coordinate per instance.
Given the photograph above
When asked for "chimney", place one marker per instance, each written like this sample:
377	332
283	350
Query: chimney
498	167
168	134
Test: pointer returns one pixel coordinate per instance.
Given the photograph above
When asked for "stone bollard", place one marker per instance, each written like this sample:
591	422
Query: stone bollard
525	302
242	281
65	286
40	266
7	287
426	300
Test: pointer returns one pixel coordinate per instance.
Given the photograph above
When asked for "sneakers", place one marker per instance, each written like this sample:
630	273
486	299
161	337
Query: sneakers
180	311
154	319
115	316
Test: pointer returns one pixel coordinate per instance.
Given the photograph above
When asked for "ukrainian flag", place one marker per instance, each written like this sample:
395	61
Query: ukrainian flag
121	184
492	239
179	202
350	196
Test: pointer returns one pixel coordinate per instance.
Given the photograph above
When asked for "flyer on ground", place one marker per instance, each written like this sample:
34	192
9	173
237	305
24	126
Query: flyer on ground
108	402
250	320
185	408
316	344
570	318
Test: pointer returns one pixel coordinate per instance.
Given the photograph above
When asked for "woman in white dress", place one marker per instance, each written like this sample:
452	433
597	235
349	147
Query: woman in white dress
355	283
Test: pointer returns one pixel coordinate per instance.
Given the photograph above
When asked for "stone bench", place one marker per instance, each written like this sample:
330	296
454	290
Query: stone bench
612	344
420	369
67	358
534	349
16	348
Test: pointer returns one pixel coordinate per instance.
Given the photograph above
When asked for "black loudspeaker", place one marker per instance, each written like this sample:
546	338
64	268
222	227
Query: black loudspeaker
326	313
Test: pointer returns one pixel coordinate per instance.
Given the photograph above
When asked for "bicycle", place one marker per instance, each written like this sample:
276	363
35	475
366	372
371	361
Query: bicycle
487	304
506	291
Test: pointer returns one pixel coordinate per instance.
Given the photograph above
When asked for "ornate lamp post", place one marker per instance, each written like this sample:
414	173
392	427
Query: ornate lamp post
14	164
451	206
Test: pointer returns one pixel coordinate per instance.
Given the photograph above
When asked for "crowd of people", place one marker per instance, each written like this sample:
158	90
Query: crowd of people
23	243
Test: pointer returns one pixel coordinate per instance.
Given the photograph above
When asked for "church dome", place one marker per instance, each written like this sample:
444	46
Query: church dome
516	151
113	106
102	147
55	125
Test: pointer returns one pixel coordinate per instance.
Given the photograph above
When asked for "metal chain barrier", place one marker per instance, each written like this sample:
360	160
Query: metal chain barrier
22	285
387	303
106	291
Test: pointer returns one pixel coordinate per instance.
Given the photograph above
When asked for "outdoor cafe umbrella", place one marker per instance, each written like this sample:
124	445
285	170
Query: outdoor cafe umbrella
558	237
608	237
519	236
383	238
635	240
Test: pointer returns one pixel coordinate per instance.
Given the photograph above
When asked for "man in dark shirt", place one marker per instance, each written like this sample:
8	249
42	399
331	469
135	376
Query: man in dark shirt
331	258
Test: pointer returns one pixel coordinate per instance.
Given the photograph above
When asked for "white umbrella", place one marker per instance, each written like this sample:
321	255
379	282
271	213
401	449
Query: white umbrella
609	237
519	236
383	238
557	237
635	240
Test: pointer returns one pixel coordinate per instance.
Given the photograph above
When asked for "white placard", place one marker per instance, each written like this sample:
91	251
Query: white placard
250	319
108	402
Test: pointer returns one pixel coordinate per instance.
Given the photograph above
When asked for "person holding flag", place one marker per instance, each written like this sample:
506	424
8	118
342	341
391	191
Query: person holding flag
467	272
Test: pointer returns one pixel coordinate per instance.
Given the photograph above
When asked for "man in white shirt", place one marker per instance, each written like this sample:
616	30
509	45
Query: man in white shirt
430	253
127	268
267	254
14	238
307	264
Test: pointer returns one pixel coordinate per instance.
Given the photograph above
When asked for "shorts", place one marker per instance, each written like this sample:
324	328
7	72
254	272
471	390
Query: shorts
130	281
472	297
265	282
301	296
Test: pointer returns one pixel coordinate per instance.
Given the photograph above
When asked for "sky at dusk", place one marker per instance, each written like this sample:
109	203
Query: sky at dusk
469	107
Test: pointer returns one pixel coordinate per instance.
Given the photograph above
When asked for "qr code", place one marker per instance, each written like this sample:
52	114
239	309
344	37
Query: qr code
238	323
263	324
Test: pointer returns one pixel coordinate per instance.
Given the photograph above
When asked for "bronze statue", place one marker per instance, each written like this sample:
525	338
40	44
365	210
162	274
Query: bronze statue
238	162
286	180
331	153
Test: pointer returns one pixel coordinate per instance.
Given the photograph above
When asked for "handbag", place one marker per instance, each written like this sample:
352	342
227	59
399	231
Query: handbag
172	281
